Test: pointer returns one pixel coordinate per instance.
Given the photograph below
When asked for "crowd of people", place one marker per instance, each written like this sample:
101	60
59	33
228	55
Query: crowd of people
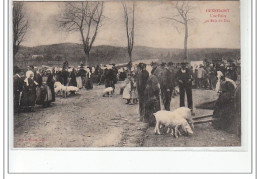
155	88
205	76
36	85
151	85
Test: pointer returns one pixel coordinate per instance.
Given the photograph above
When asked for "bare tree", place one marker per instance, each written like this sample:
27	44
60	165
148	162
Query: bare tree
130	26
84	17
183	17
20	26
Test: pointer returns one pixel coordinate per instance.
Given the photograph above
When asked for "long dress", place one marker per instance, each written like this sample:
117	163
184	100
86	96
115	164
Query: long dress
89	82
151	100
133	92
79	82
73	81
50	83
127	90
28	95
44	94
224	108
81	74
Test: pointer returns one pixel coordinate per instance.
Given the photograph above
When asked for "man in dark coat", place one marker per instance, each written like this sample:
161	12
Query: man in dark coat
142	78
184	78
151	99
166	85
109	78
172	71
17	87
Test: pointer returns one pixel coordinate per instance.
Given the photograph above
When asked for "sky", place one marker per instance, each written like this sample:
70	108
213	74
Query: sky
152	29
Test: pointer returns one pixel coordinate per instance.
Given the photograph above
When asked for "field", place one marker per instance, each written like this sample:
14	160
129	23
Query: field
90	120
56	54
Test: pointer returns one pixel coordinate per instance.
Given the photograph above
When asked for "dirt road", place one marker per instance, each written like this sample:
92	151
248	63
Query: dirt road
90	120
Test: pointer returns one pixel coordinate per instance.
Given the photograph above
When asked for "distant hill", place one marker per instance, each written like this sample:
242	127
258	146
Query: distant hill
56	54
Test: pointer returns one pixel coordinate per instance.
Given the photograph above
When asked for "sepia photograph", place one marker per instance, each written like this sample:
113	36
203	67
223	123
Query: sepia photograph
99	74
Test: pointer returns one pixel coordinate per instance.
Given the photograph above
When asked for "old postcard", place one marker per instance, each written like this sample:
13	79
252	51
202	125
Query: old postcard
129	75
126	74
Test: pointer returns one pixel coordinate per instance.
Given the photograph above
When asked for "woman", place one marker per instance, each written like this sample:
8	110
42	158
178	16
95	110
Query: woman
89	83
133	92
81	77
65	75
50	83
151	99
224	108
73	81
127	89
29	92
45	96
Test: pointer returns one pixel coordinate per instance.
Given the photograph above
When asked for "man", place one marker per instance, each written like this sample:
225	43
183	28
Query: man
200	76
172	71
166	85
109	77
151	99
184	78
212	77
142	78
18	87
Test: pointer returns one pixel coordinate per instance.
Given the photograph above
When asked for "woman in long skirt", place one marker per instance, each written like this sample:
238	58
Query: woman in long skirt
81	75
133	92
73	81
29	92
45	96
224	108
127	90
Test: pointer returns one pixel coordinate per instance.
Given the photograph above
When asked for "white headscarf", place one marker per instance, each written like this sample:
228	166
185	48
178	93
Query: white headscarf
28	75
219	75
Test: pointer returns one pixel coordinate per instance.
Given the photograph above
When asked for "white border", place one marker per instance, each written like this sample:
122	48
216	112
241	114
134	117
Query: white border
200	160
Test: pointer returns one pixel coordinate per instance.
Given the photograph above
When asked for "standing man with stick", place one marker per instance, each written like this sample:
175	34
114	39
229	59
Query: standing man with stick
184	78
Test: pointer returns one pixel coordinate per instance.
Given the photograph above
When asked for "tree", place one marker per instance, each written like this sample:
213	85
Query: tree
20	26
130	26
183	17
85	17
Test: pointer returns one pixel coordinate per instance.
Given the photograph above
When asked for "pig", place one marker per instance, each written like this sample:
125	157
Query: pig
186	114
171	119
108	91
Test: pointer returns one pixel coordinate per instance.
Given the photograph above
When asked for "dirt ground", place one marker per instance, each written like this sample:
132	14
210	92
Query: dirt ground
90	120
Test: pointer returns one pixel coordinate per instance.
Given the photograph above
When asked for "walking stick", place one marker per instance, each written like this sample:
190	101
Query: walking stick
100	79
160	98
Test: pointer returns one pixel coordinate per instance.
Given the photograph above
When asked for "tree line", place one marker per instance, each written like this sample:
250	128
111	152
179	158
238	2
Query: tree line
86	17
